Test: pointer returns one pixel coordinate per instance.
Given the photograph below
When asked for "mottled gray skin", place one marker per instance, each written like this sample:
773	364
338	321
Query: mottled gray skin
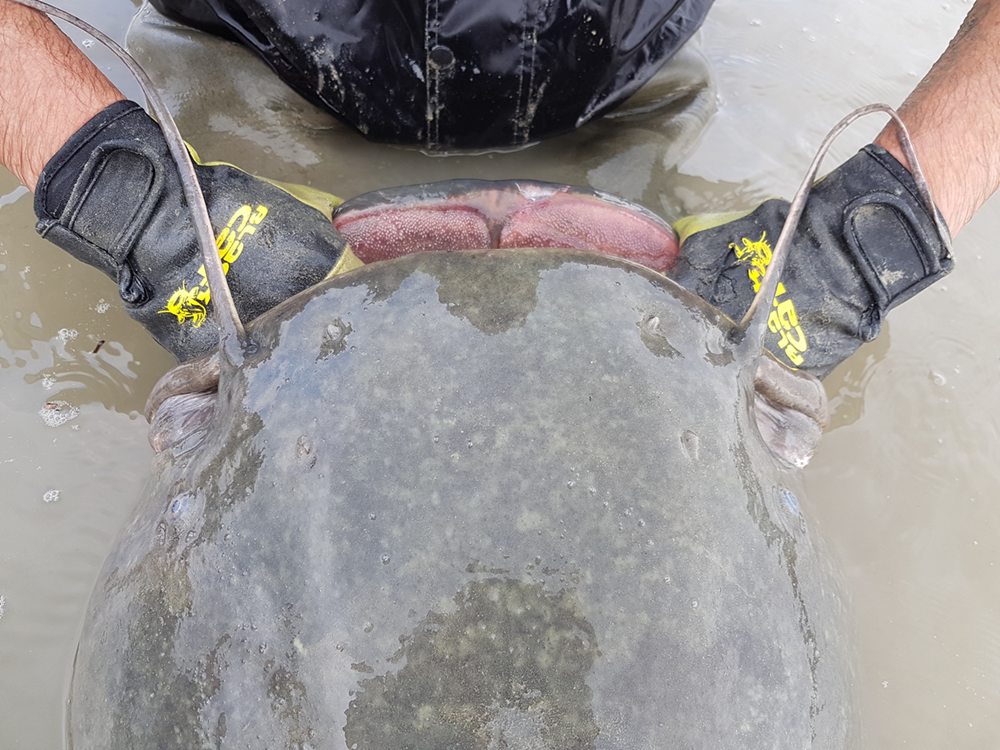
506	500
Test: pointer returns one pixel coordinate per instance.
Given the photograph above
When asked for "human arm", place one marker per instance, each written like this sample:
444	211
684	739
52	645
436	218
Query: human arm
953	117
48	90
107	191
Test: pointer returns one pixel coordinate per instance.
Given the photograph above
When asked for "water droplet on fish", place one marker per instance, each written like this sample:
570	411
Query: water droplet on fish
694	604
372	516
755	22
87	43
937	378
885	683
341	646
385	559
368	627
102	307
48	382
51	496
436	438
67	334
571	484
642	522
262	648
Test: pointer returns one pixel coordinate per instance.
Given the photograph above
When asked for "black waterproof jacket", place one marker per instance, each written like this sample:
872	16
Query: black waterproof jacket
456	74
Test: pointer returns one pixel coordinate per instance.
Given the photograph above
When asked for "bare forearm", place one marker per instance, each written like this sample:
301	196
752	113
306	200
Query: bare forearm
48	90
954	118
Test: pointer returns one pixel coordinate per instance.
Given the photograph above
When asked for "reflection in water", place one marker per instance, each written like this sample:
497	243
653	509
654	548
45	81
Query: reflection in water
506	668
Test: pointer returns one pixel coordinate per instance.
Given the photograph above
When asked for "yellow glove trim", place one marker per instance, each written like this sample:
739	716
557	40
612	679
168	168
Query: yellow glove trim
322	201
693	224
348	262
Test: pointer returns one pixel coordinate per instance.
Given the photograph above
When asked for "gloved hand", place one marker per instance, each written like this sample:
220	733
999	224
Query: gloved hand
865	243
112	198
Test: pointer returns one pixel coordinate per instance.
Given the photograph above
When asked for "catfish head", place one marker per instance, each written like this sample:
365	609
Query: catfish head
464	215
525	498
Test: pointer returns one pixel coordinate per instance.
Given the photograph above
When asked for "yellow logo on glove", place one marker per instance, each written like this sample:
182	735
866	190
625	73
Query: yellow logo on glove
784	319
190	304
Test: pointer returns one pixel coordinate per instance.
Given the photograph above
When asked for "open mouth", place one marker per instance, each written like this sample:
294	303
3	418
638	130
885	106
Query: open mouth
483	214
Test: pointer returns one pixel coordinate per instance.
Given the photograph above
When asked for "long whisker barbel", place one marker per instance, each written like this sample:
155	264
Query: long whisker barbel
782	247
233	340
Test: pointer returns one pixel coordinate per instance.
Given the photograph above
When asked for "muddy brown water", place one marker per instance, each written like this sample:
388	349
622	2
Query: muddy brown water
903	488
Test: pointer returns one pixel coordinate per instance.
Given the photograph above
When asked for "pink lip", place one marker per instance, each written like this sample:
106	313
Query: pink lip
479	215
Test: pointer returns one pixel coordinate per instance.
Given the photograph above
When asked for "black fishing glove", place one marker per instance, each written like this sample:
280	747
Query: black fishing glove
112	198
865	243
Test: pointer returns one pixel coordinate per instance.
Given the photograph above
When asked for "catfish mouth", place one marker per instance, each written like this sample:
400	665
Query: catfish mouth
484	214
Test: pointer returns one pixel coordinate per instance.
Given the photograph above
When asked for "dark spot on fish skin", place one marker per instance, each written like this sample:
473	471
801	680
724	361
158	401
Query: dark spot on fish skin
653	337
288	701
510	662
691	444
478	567
97	348
334	339
775	535
148	654
220	728
497	300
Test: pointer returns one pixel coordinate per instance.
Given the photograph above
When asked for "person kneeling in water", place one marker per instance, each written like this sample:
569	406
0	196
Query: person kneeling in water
107	191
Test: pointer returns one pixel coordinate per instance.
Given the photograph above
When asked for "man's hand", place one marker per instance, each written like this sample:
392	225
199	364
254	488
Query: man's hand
832	296
107	191
111	197
865	243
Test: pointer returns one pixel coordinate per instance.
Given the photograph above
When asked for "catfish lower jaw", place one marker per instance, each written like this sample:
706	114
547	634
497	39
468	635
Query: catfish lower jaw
483	215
